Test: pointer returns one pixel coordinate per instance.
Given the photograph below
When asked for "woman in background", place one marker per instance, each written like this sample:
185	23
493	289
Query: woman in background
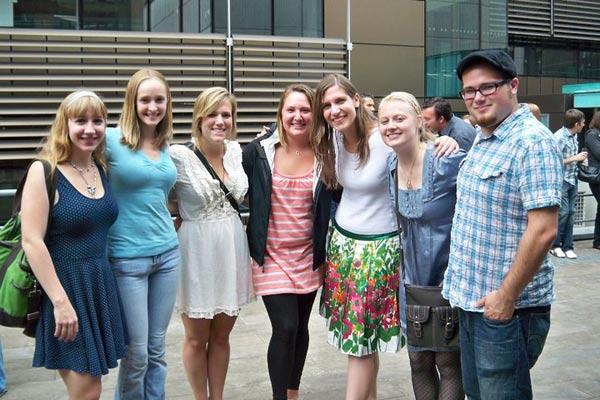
592	142
143	248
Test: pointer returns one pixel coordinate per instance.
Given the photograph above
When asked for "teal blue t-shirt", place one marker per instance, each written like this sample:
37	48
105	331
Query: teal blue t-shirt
141	187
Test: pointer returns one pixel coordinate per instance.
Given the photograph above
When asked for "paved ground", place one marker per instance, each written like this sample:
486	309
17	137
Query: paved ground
568	368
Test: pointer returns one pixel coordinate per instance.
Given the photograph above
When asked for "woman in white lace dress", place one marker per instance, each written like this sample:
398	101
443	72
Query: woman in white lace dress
215	278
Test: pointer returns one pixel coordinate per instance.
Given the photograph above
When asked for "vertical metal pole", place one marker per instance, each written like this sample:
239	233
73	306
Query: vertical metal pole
229	43
348	31
551	17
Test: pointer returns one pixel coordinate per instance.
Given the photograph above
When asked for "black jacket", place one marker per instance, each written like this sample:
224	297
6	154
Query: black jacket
256	166
592	142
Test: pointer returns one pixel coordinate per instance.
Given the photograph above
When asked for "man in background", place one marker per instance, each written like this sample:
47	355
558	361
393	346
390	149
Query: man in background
574	120
438	116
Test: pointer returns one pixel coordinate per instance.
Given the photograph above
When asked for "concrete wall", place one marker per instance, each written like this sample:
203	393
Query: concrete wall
389	43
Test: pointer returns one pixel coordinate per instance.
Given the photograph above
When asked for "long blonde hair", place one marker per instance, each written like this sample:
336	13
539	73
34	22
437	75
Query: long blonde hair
365	121
206	103
298	88
129	122
58	146
425	135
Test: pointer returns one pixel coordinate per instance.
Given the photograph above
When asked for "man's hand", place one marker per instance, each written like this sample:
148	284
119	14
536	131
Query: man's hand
497	306
445	146
581	156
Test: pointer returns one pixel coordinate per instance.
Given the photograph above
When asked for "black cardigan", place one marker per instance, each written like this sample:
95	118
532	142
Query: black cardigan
257	169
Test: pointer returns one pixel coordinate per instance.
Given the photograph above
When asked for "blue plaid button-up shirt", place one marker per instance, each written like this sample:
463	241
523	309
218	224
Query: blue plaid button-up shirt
516	169
567	143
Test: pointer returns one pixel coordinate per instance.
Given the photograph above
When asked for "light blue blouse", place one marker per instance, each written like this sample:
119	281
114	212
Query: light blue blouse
426	220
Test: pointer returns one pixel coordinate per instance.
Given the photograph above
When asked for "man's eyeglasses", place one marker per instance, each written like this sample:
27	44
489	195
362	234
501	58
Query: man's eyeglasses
485	89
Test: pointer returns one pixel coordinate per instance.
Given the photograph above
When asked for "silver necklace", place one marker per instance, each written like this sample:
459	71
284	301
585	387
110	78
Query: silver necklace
91	188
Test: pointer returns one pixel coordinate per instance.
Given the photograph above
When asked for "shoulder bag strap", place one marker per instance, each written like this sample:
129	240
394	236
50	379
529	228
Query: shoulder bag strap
212	173
50	188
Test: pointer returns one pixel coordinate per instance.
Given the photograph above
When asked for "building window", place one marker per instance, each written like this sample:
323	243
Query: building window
255	17
298	18
454	28
247	17
58	14
113	15
559	63
589	65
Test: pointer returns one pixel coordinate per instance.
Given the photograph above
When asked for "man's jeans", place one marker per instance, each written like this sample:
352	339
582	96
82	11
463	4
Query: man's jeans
148	286
566	217
496	355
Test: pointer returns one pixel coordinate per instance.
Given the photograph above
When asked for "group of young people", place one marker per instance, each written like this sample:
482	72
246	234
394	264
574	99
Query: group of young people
113	264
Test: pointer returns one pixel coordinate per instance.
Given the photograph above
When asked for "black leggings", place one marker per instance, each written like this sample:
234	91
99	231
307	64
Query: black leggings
289	314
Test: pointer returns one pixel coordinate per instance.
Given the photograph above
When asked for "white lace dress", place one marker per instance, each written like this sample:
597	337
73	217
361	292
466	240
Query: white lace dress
215	263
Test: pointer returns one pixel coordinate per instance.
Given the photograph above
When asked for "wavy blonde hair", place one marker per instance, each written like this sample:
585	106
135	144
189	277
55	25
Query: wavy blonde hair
425	135
297	88
365	121
129	122
58	146
206	103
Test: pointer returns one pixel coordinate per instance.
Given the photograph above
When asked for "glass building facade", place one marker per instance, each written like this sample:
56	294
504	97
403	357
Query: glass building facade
259	17
563	62
453	29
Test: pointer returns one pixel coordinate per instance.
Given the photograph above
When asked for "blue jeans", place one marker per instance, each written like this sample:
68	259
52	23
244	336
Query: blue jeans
496	355
566	217
2	373
148	286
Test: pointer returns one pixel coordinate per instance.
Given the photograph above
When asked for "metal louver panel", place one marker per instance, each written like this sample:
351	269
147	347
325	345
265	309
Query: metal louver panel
568	19
577	19
529	17
38	68
265	65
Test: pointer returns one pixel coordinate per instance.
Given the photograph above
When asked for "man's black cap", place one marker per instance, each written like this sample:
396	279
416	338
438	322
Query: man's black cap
498	59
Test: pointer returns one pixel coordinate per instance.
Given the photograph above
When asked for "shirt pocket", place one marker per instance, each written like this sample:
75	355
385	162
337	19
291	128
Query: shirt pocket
493	180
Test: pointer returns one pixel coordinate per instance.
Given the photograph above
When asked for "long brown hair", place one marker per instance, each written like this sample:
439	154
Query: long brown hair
321	137
294	87
129	122
58	146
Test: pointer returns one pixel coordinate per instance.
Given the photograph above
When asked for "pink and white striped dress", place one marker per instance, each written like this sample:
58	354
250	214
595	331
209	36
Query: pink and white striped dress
289	252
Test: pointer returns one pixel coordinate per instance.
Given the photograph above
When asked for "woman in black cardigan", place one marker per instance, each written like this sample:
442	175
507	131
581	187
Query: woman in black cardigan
592	142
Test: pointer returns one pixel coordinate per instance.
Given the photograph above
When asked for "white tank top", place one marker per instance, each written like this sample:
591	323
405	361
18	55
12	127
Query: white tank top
366	206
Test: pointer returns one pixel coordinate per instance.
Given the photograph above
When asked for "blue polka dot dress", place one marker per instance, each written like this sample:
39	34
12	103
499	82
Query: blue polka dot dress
77	243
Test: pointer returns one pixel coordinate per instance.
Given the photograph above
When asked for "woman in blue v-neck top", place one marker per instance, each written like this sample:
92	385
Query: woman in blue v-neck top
142	246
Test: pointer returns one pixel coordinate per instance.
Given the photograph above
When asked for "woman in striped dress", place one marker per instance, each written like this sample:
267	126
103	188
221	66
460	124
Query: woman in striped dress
289	213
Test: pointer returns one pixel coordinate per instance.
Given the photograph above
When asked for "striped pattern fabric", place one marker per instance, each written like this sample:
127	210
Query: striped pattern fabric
516	169
289	252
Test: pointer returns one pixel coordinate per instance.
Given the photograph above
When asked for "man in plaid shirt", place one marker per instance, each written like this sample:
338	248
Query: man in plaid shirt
508	193
566	136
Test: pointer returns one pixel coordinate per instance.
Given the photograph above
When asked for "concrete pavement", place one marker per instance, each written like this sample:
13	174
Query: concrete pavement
567	369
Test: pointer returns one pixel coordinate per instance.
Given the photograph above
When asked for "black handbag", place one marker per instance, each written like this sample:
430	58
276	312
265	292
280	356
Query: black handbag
430	320
588	174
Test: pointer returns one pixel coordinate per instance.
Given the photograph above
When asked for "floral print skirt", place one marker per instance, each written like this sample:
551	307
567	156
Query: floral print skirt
360	293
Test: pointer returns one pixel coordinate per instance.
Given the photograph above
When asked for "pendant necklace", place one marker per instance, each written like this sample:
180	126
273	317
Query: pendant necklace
90	188
408	177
